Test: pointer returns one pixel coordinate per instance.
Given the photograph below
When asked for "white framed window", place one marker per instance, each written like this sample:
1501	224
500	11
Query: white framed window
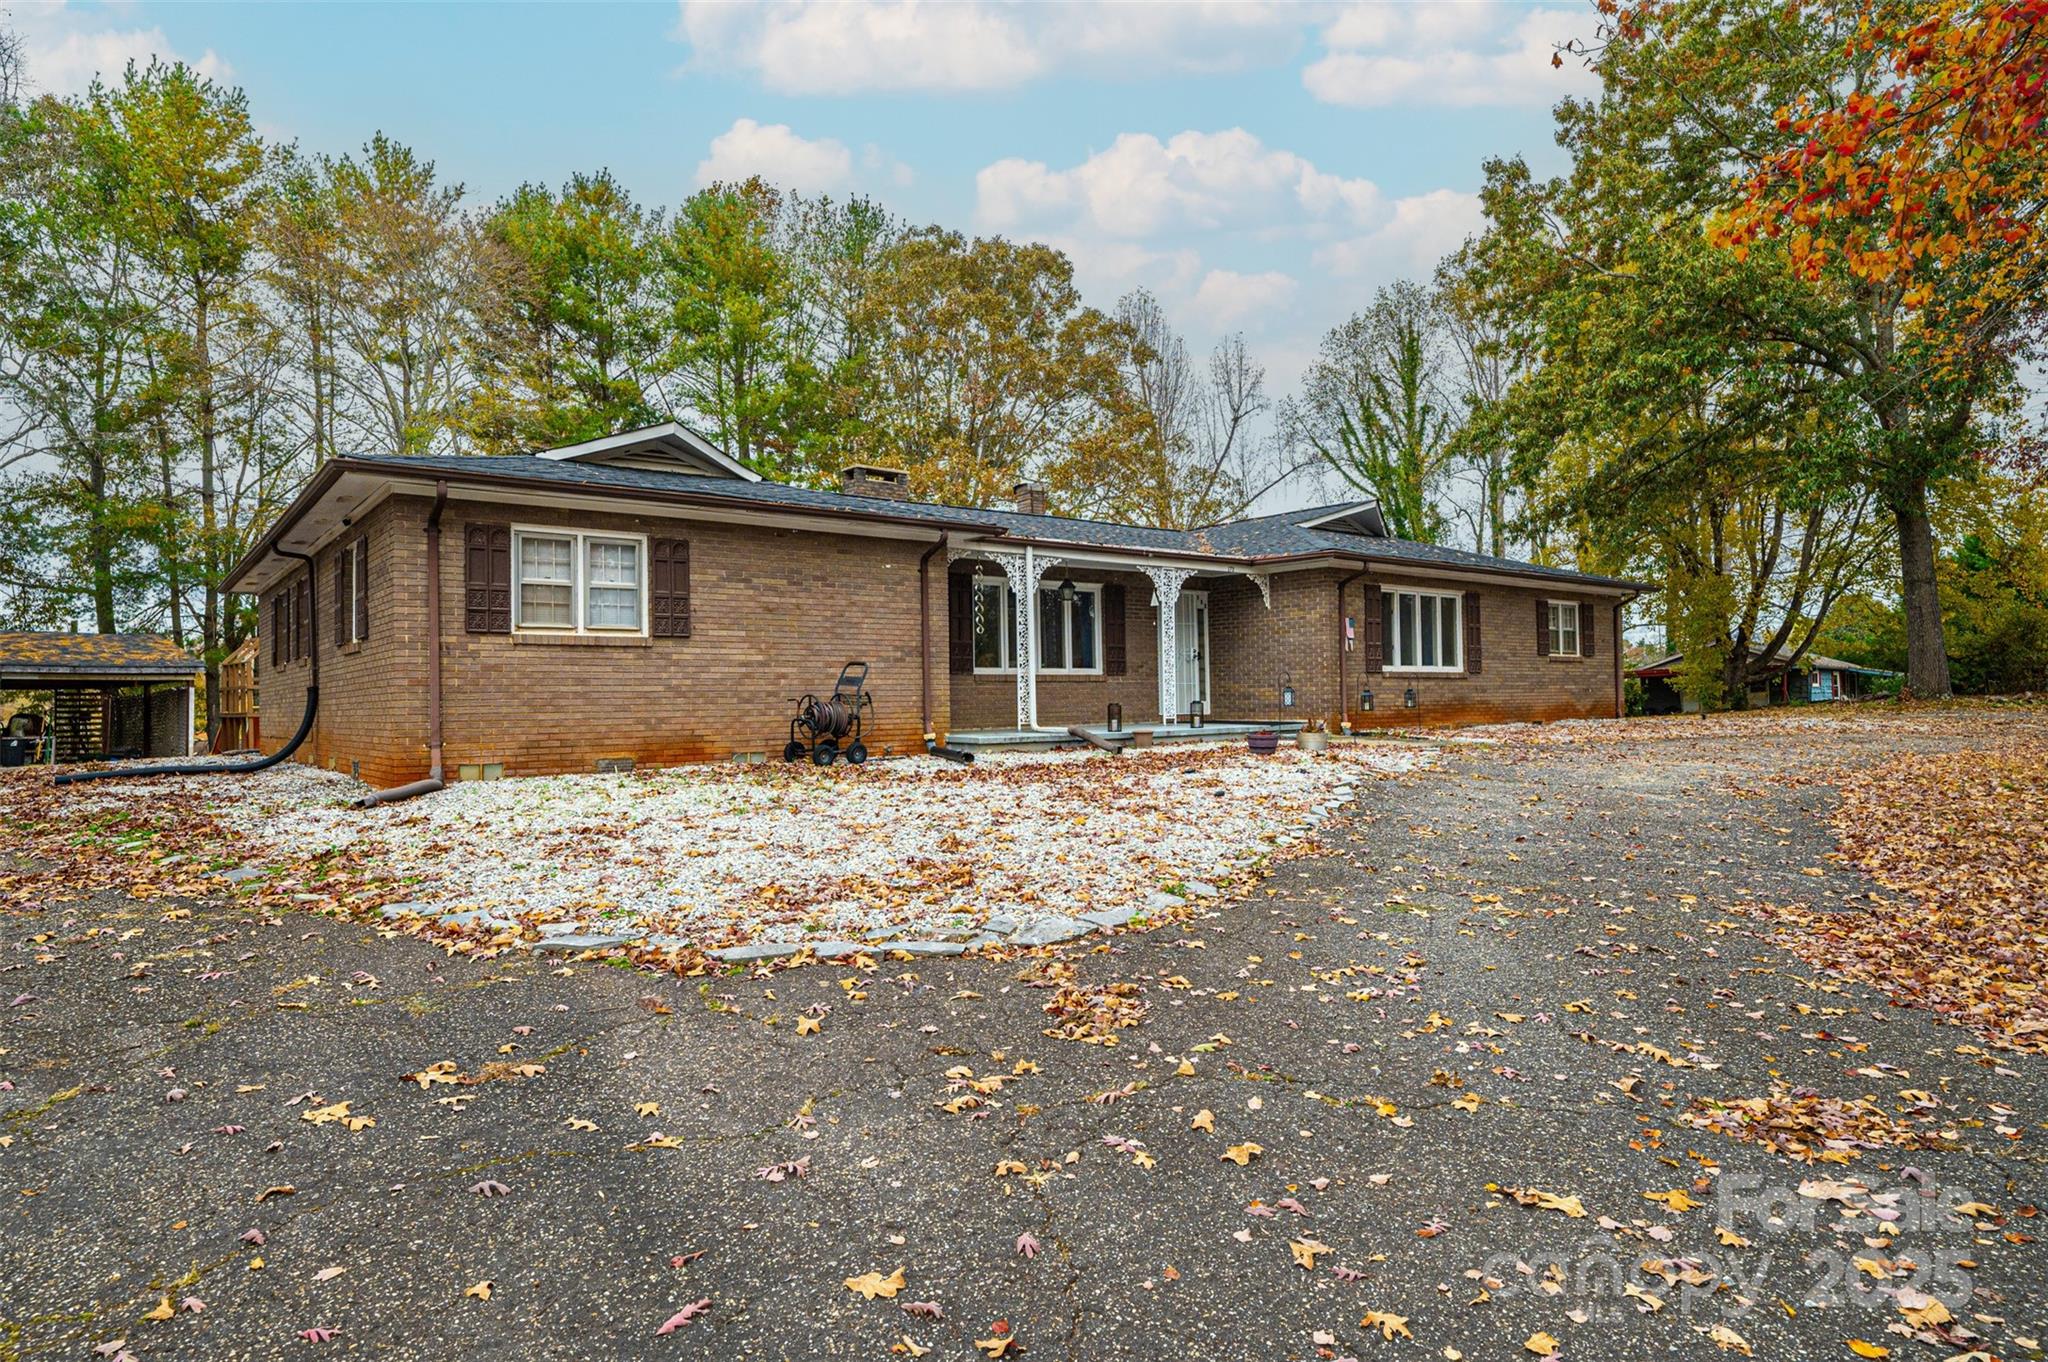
1069	632
572	582
1422	631
1564	628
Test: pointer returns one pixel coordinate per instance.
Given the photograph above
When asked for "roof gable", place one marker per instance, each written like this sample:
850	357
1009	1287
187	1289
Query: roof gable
1359	517
667	448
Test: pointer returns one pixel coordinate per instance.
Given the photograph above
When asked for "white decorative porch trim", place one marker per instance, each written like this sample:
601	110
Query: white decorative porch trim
1024	568
1264	583
1166	585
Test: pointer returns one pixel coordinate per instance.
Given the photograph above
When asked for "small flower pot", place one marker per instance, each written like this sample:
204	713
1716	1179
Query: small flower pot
1263	743
1309	740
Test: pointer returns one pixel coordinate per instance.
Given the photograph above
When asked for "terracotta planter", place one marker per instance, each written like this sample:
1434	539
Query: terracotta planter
1264	744
1309	741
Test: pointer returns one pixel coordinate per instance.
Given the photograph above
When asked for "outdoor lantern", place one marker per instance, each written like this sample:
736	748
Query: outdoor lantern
1194	714
1408	697
1365	699
1287	691
1116	718
1067	592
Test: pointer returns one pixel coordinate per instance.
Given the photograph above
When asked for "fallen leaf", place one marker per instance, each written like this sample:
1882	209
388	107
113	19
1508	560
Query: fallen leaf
482	1291
873	1284
683	1316
1305	1251
1389	1324
1205	1119
1242	1154
1540	1343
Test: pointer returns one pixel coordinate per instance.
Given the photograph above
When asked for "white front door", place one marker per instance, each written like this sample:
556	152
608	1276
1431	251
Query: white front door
1191	664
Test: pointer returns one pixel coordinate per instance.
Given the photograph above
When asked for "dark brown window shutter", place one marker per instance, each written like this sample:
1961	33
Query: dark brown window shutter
1542	628
362	605
1373	621
487	579
277	630
668	592
959	623
342	605
1472	633
302	619
1585	630
1115	660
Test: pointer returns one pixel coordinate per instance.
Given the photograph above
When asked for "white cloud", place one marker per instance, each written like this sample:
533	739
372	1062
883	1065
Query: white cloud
65	48
777	154
1448	54
1140	186
1226	299
1418	232
838	47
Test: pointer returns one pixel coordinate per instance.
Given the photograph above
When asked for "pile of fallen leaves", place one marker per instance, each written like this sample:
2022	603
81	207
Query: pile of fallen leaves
1963	836
1801	1124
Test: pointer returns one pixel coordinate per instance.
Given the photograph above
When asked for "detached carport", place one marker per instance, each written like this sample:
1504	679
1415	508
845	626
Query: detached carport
110	695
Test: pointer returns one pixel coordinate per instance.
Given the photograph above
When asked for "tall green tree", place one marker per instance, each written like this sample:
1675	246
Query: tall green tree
1378	411
740	356
567	339
993	368
1690	88
191	199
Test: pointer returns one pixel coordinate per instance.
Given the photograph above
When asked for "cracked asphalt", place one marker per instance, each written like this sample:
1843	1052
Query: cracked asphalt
1554	932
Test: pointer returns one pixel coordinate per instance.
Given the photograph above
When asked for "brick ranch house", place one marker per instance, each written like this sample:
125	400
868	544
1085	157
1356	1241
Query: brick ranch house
645	598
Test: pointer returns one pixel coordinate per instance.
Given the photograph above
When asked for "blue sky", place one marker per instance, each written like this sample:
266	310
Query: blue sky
1261	167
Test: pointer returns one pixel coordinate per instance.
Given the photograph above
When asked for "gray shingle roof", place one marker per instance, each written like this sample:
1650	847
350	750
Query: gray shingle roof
1271	536
57	655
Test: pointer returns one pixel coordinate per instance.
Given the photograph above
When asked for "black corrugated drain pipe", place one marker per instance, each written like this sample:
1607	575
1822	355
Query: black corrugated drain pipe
239	768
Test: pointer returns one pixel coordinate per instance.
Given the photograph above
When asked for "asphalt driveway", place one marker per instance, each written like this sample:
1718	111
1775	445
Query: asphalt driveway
1424	1092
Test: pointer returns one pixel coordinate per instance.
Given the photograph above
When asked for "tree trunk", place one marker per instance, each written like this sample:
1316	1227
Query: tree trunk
209	512
1926	648
100	546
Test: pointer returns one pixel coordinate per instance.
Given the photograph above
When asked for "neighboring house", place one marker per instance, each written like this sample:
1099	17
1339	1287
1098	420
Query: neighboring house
1806	680
645	598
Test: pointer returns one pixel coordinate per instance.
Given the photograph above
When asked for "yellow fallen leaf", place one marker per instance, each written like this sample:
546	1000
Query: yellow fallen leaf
164	1310
1548	1201
1186	1070
1009	1166
1540	1343
1205	1119
1676	1199
1922	1310
1242	1154
482	1291
578	1123
1389	1324
873	1284
908	1347
1730	1341
1862	1349
1729	1238
1305	1251
999	1346
647	1108
809	1026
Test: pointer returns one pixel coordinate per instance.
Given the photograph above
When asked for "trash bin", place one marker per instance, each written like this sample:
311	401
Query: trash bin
16	751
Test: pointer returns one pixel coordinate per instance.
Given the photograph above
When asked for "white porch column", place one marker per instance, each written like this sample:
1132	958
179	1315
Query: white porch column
1166	585
1023	569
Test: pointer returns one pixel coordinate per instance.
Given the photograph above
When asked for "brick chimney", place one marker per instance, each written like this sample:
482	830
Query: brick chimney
1029	498
873	480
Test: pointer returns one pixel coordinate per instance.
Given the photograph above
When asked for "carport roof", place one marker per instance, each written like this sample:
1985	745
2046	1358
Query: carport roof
30	659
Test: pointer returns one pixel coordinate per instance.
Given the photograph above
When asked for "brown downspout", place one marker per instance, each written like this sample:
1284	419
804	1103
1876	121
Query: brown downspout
434	780
1343	691
1620	695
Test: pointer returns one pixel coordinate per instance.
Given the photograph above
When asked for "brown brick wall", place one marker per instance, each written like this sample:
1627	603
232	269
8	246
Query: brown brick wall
774	613
1255	652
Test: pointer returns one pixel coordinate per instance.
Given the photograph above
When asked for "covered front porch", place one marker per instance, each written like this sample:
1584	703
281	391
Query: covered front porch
1113	645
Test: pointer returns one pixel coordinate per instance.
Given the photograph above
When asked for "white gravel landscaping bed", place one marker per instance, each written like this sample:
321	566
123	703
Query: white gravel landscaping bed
917	848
